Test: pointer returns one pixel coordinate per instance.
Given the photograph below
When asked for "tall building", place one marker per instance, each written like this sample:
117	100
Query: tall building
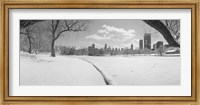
105	48
131	46
113	49
109	49
147	41
93	45
91	50
141	44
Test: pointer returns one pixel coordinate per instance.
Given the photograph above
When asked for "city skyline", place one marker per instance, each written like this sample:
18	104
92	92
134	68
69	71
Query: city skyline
144	43
115	33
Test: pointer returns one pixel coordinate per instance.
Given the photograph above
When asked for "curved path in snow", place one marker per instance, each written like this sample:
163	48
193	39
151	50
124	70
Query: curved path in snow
108	80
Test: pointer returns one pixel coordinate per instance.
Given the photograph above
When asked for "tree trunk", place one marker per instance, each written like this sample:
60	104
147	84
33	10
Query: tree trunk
52	48
160	27
29	39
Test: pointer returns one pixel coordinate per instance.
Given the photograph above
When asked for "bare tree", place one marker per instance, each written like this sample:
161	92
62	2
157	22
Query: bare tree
27	23
58	27
29	31
174	27
164	30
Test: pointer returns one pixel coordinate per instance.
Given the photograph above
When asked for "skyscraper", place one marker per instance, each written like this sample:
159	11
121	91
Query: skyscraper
131	46
141	44
109	49
147	40
105	48
91	50
93	46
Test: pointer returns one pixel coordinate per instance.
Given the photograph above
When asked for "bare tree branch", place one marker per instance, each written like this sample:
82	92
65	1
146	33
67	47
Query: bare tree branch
59	27
160	26
29	31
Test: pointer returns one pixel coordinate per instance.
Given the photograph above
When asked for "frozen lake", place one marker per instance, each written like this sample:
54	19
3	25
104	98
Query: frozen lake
120	70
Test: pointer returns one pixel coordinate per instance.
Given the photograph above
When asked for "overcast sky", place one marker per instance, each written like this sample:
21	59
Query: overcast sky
115	33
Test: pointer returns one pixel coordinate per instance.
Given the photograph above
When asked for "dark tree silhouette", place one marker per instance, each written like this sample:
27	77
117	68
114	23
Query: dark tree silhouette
26	23
174	27
29	31
161	27
58	27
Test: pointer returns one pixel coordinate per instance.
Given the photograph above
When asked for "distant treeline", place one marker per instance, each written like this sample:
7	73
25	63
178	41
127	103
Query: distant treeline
63	50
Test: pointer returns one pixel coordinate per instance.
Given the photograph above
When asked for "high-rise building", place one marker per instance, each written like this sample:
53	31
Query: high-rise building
109	49
113	49
91	50
93	45
131	46
105	48
118	49
141	44
147	40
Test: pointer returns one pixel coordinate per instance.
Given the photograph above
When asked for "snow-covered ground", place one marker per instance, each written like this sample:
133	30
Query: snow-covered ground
59	70
120	70
140	70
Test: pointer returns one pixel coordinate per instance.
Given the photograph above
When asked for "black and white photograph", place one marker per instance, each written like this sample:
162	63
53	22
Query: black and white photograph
100	52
